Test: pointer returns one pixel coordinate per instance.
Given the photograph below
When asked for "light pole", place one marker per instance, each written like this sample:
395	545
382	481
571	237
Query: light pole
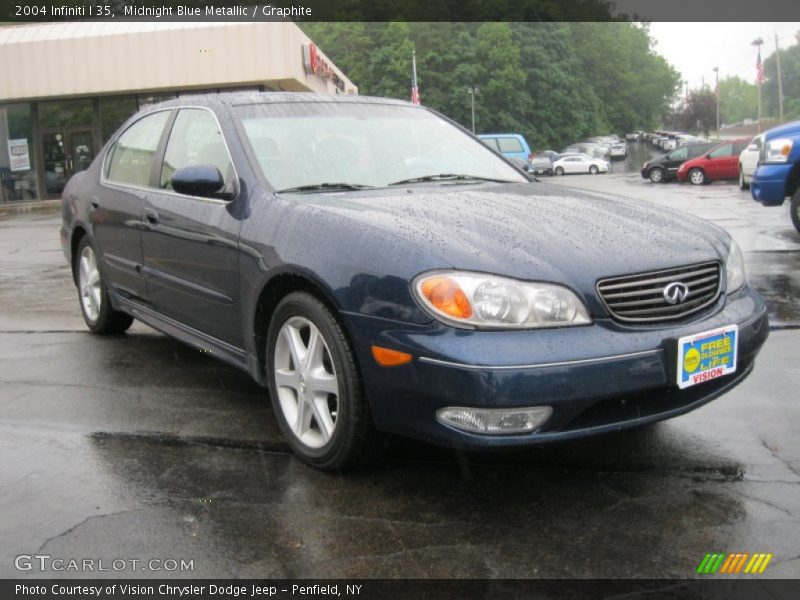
780	80
716	92
757	43
472	90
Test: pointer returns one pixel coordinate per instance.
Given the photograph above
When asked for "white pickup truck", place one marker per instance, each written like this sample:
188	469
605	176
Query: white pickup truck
748	161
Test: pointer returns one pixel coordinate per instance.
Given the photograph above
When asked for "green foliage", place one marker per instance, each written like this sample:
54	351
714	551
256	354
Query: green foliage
553	82
790	69
699	115
738	100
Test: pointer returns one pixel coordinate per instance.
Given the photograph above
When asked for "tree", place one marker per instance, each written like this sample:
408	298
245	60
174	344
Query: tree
790	69
700	113
738	100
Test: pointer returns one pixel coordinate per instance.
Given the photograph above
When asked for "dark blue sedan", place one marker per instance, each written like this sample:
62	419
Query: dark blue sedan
379	269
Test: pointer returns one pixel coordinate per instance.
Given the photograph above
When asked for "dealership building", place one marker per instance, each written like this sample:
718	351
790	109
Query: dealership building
66	87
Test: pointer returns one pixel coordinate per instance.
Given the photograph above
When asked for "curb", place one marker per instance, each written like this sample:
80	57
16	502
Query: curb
11	208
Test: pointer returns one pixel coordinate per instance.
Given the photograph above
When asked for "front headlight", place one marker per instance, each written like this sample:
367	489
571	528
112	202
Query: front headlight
477	300
777	151
734	269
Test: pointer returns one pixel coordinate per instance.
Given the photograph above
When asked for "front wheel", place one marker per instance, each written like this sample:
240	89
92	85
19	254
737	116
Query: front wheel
697	176
96	308
743	185
315	386
559	171
795	208
593	170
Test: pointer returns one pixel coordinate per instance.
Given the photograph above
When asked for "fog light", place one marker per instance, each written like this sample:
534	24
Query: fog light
494	421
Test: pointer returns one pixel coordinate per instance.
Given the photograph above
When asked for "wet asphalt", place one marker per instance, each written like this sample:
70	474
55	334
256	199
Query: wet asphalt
137	447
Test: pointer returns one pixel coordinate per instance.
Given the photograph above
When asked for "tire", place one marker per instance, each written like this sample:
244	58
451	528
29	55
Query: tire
320	407
743	185
795	209
656	175
559	171
100	317
593	170
697	176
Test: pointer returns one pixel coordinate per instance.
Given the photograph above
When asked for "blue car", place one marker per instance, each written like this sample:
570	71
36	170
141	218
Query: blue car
778	174
377	269
510	145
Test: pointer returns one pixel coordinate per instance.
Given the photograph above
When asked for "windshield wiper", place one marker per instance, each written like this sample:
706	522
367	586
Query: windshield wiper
447	177
320	187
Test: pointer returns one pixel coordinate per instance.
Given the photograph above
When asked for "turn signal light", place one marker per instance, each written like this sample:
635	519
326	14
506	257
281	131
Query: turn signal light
446	295
386	357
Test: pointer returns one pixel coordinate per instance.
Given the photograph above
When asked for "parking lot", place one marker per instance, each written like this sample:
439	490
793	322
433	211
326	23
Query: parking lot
140	447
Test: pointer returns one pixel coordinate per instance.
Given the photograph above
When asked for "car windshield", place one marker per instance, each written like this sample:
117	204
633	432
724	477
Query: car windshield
318	146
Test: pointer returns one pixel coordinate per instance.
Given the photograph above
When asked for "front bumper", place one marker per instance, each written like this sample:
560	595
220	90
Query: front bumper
768	185
598	378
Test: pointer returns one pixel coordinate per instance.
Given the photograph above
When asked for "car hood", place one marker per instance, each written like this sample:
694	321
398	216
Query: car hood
790	129
533	231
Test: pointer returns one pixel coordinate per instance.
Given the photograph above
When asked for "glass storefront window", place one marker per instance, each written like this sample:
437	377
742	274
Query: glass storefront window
114	111
17	165
70	113
146	100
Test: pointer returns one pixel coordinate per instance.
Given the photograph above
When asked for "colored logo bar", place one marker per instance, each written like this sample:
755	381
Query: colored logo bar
733	563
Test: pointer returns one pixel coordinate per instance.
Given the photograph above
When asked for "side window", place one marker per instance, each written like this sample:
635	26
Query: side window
738	147
510	145
195	139
133	153
679	154
491	142
722	151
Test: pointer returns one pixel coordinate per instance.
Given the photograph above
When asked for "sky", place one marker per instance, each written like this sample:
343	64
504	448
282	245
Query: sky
694	49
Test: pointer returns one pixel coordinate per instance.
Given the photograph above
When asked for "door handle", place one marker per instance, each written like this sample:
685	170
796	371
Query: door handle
151	216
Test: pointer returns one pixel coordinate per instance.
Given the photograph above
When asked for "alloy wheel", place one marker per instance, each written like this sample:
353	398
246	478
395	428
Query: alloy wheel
697	177
656	175
306	382
89	284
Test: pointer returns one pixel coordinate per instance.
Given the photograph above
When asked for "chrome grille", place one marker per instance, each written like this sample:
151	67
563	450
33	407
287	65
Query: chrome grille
640	297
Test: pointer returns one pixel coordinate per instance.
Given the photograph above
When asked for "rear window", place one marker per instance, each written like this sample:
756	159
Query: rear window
134	151
510	145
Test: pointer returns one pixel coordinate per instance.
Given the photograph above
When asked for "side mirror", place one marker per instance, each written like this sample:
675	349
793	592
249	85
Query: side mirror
204	181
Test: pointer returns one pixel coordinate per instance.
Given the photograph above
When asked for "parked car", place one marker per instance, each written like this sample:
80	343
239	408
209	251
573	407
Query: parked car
580	163
634	136
510	145
748	161
378	269
584	148
540	165
619	151
665	168
778	173
721	162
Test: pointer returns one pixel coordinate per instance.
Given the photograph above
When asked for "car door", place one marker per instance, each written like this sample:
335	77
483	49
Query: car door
718	160
732	168
675	159
117	207
190	244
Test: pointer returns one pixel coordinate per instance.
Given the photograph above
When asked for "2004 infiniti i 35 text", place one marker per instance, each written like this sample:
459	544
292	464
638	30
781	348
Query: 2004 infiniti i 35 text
379	269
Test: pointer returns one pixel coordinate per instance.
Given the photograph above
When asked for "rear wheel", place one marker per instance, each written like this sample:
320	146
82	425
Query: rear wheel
559	170
315	386
743	185
96	308
795	208
656	175
697	176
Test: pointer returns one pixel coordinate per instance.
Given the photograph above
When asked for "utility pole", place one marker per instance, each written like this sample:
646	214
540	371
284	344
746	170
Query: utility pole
716	92
780	80
472	91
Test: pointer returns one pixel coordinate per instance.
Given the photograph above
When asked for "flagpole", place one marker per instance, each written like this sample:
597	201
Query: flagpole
759	79
414	84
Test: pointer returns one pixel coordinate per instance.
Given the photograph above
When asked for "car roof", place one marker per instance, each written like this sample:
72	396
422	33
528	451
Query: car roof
250	97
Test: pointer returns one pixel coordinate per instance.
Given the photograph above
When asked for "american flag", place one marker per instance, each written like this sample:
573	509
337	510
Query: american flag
759	69
414	86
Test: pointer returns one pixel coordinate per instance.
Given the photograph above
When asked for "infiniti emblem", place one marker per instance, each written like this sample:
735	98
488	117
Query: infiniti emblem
676	292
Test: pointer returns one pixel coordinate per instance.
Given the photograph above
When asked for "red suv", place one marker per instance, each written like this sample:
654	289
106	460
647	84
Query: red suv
721	162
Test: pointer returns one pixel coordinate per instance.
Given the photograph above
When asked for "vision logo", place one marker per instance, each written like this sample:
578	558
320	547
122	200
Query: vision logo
742	562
